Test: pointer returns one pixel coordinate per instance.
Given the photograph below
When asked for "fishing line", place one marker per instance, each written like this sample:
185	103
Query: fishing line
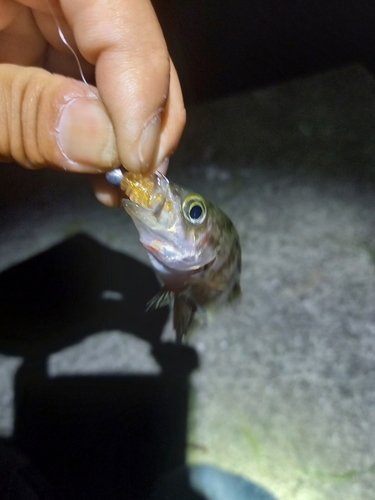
114	177
65	42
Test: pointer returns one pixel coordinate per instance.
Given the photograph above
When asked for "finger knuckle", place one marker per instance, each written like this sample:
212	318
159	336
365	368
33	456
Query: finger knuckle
33	141
24	108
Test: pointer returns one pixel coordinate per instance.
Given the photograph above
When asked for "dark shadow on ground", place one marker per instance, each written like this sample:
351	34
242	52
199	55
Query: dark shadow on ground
74	289
92	437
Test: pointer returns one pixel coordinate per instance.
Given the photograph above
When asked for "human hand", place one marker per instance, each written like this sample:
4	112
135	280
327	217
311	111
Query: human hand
53	120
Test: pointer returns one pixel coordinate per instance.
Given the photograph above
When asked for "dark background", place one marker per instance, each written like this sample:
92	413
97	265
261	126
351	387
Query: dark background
222	46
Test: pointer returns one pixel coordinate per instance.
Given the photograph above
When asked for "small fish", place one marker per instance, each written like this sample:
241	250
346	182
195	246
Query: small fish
192	245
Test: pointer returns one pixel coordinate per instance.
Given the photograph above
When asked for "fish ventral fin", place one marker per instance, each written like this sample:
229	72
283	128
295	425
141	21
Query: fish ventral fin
183	315
163	298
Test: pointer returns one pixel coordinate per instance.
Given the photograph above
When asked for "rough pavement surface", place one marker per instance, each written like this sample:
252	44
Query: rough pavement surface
285	392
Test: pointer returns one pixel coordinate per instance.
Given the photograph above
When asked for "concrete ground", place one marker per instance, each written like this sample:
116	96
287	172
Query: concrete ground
285	391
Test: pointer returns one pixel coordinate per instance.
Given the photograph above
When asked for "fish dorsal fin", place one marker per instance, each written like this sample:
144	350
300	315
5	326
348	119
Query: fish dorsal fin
162	298
183	315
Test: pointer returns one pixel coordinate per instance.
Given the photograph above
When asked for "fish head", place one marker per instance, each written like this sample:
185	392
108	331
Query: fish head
174	224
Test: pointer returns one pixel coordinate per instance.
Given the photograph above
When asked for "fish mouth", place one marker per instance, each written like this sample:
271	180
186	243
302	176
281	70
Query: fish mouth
156	238
146	200
144	218
145	204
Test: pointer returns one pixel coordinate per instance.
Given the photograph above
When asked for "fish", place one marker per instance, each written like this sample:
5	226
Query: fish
192	245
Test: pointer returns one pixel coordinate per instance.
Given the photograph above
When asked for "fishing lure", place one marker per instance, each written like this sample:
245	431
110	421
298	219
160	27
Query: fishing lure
192	245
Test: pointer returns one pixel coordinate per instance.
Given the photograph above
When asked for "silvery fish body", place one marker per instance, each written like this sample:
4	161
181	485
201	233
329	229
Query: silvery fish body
192	245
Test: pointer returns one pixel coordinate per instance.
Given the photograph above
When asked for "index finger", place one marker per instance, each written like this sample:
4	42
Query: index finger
124	40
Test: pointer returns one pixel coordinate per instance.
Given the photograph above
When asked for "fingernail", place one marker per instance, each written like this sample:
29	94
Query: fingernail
106	198
163	166
85	133
148	141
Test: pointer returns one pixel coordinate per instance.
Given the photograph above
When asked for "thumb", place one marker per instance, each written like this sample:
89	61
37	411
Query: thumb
51	120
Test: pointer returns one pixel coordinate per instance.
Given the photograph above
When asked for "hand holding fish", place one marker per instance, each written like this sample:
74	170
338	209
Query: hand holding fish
133	117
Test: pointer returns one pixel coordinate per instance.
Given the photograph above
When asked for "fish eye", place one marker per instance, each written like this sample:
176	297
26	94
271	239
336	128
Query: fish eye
194	209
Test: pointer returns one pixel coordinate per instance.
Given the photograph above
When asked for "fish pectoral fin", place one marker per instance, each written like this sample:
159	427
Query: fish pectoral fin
235	293
162	298
183	315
